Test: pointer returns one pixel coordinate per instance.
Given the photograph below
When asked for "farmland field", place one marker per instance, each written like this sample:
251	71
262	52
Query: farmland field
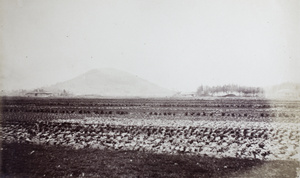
150	137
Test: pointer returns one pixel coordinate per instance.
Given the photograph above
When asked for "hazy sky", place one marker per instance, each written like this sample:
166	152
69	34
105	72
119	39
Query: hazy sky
176	44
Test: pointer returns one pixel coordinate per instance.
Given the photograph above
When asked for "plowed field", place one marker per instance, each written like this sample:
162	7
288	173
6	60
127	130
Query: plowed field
240	130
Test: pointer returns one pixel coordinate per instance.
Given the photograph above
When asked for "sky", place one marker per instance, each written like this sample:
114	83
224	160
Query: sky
176	44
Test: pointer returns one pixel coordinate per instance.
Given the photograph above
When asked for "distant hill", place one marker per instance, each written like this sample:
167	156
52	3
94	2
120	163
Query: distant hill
110	82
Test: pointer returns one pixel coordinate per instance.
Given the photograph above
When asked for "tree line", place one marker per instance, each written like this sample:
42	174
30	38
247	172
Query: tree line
229	89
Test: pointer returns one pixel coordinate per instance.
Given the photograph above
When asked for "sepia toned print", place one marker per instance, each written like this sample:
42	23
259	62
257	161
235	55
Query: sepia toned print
149	88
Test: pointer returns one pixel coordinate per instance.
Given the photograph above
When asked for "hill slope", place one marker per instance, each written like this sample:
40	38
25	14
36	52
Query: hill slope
110	82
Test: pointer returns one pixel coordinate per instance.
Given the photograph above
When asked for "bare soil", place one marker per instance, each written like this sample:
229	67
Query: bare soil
28	160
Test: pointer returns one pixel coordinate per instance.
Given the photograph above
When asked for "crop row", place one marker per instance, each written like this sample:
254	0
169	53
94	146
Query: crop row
159	111
130	105
8	118
150	112
217	139
162	103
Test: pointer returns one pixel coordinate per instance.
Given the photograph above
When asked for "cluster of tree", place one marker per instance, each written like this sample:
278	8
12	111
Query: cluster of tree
229	89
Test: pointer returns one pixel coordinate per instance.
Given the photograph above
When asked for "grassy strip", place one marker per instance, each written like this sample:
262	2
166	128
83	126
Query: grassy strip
27	160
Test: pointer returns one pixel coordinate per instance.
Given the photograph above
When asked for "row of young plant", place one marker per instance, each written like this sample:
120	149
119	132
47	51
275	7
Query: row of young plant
162	103
254	140
35	117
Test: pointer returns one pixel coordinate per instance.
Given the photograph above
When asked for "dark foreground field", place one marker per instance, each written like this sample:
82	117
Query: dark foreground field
27	160
60	137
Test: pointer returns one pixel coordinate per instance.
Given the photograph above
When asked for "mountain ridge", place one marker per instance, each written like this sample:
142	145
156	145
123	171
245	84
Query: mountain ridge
110	82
